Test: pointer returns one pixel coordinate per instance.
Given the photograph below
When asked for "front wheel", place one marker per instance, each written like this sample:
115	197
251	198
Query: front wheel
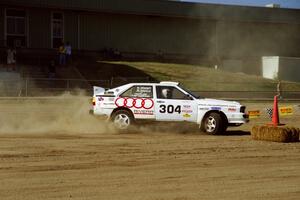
122	119
213	124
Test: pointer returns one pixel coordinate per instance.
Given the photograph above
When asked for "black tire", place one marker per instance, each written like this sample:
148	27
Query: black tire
213	124
122	119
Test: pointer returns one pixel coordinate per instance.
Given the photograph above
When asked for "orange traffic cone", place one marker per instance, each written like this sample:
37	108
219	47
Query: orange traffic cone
275	115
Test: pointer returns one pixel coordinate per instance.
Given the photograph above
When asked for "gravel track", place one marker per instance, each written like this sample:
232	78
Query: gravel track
55	150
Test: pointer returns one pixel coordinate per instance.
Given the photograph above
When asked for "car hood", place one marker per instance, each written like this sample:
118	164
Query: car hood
217	102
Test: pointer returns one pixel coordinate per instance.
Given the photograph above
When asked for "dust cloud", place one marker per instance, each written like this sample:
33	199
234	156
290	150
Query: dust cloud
64	114
68	114
238	36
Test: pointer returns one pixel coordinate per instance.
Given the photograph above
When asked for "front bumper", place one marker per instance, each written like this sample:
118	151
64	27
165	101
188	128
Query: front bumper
238	118
246	117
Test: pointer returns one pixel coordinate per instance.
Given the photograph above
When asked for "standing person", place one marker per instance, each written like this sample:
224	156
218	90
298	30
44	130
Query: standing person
68	49
279	90
11	58
62	54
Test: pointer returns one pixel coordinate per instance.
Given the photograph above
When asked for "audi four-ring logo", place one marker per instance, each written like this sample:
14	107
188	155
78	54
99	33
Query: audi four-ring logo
134	103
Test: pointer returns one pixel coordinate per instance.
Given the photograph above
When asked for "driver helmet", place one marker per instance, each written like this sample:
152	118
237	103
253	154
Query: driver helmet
166	92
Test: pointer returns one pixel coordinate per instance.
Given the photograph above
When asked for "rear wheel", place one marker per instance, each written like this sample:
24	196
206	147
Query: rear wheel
213	124
122	119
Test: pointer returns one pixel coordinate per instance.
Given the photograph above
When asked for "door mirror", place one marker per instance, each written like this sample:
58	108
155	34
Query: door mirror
188	97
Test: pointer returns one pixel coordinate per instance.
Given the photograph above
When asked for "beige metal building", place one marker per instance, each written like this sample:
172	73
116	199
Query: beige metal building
179	31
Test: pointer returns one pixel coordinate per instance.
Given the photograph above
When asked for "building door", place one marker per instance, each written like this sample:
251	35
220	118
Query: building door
57	27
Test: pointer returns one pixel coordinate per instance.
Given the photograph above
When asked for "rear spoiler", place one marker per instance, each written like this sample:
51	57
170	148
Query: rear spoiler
98	90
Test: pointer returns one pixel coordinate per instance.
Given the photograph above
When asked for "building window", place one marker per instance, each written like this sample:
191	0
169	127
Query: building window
57	29
16	28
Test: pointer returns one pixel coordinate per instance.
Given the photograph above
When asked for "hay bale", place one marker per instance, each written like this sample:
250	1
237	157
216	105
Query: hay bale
275	134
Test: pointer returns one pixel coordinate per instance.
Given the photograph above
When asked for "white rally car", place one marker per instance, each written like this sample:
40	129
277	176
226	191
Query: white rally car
165	101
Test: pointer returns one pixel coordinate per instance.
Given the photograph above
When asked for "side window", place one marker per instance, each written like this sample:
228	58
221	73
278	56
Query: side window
139	91
169	92
16	28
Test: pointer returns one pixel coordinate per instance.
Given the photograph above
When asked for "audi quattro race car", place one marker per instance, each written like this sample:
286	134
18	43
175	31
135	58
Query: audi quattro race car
165	101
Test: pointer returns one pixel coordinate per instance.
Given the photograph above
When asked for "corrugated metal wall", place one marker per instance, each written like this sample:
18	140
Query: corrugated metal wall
150	34
71	28
258	39
289	69
170	8
39	28
1	26
92	32
132	33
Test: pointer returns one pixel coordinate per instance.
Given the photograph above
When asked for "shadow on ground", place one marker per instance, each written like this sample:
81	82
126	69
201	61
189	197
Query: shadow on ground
118	74
236	133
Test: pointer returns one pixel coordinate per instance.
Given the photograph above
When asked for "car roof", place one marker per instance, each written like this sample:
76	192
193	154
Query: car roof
160	83
122	88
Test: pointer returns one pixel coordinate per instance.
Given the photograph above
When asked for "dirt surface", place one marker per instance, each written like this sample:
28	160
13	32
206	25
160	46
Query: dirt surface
55	150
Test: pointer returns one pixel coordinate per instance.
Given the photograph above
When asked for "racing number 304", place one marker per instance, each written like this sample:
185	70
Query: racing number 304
169	109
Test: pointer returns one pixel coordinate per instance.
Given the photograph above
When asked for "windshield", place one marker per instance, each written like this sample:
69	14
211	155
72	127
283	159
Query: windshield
190	92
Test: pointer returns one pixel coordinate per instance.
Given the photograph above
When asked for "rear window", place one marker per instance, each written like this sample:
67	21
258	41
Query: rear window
139	91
